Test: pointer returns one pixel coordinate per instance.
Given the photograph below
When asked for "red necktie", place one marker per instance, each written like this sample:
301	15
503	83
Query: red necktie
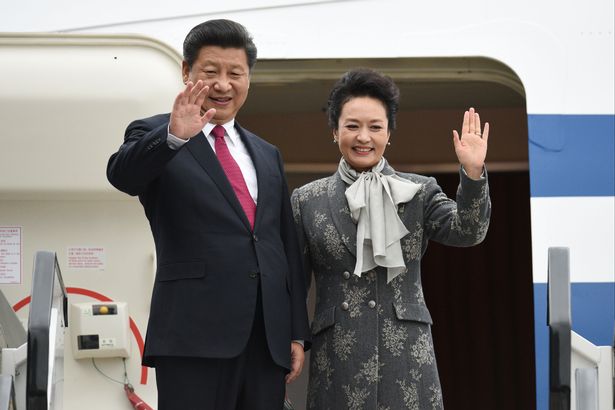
234	175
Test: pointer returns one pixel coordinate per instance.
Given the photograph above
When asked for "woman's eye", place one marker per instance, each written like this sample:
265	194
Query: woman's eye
376	128
352	126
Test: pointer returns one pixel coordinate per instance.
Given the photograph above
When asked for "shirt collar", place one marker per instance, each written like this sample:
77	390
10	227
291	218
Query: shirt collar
229	127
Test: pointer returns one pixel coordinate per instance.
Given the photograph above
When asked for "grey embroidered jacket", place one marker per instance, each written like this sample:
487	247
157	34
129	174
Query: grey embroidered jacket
372	346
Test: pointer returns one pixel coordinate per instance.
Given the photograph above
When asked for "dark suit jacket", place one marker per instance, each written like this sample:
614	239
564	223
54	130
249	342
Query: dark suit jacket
209	260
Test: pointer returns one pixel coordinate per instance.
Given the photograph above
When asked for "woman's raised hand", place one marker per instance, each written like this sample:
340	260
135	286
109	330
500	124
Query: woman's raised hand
471	147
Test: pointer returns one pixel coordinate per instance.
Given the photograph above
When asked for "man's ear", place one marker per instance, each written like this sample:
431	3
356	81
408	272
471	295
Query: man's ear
185	72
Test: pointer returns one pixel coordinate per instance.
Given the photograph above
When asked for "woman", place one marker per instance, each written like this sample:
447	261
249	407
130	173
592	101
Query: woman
364	231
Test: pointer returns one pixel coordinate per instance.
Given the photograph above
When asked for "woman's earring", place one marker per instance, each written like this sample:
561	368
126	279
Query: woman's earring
388	143
334	141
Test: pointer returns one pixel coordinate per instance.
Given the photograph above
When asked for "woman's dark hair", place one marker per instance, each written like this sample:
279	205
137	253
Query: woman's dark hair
221	33
363	82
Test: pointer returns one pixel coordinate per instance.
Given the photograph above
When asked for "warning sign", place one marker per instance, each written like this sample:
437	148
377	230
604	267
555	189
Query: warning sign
86	257
10	254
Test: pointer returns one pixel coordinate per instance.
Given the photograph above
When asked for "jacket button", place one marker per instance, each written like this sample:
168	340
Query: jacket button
345	306
253	275
346	274
371	304
255	238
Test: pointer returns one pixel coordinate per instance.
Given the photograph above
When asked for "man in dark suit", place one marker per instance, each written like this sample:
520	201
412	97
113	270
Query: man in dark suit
228	320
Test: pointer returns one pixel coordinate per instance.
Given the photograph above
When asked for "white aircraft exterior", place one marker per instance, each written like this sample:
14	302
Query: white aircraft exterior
561	52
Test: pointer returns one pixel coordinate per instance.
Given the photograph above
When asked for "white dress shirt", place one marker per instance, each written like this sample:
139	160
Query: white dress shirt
236	147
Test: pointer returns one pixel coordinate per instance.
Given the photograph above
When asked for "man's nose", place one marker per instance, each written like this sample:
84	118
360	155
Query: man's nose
222	84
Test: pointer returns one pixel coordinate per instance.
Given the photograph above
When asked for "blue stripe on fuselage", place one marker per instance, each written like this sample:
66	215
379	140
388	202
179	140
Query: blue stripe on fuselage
571	155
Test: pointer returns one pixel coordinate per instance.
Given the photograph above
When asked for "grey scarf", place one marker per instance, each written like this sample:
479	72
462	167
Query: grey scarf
373	198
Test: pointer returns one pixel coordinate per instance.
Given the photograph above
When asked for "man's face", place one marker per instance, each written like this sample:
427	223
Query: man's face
226	72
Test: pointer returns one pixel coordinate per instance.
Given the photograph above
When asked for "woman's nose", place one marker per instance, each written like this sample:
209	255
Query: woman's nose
363	135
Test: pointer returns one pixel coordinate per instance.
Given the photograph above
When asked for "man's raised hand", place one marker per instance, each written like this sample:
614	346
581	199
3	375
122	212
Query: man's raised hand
187	117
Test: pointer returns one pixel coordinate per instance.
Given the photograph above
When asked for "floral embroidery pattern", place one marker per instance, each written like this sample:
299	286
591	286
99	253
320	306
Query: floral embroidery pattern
370	370
396	284
323	366
419	293
411	244
333	245
355	397
319	219
436	397
314	189
394	337
355	297
409	395
422	350
343	341
416	375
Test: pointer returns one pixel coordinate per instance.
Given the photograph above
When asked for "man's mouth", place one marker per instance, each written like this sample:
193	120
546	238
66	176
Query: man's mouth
220	100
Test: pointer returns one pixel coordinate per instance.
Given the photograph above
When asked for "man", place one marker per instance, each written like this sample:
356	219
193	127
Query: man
228	315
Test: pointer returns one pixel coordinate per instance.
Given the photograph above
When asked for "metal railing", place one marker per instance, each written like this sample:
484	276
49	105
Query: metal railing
7	393
559	320
46	323
581	375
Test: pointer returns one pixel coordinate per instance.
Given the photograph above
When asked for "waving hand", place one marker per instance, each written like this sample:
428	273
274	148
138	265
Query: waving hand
471	147
187	117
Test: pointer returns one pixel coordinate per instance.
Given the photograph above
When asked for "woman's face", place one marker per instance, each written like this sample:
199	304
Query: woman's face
362	132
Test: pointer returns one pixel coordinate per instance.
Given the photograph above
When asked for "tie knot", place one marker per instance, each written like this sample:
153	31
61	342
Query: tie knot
218	131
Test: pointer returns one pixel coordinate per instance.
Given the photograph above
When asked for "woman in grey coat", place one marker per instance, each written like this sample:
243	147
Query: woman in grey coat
364	231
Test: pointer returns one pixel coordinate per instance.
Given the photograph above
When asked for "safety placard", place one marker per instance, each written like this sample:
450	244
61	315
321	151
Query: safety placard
86	257
10	254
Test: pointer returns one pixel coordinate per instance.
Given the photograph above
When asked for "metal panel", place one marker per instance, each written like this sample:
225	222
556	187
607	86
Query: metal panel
559	328
12	332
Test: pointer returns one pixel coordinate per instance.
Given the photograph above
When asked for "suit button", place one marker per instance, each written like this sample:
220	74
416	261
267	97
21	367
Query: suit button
346	275
253	275
345	306
371	304
255	238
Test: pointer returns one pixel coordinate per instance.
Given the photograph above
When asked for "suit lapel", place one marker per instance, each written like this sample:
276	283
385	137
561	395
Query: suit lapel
338	206
262	168
201	150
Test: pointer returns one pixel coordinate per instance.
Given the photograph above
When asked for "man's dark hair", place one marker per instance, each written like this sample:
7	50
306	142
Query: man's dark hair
221	33
363	82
